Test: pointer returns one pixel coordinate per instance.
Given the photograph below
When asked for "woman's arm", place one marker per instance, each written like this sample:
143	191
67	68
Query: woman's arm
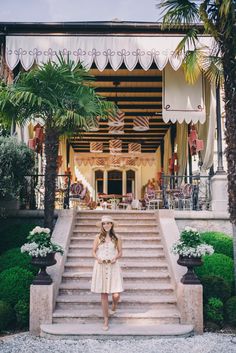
95	246
119	251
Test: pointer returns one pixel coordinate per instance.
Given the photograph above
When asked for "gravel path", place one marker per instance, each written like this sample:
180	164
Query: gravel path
207	343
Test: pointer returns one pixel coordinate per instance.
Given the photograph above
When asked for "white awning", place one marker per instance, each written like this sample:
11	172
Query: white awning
100	50
182	101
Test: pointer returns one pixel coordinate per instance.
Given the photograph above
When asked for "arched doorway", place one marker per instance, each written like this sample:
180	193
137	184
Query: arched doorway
114	181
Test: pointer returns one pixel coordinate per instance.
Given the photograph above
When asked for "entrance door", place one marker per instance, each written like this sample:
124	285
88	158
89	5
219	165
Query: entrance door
114	182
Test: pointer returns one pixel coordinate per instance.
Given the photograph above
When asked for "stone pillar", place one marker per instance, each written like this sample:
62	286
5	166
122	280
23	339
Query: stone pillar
190	302
41	307
124	191
219	192
105	181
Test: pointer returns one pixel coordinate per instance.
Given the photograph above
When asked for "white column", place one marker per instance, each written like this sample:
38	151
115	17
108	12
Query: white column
124	191
105	186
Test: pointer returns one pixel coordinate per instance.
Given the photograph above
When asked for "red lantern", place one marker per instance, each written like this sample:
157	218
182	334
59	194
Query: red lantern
32	144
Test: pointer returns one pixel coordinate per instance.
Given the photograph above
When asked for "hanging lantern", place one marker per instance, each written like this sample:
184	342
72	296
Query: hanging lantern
117	120
199	145
96	147
141	123
115	161
93	124
115	146
39	133
116	130
32	144
134	148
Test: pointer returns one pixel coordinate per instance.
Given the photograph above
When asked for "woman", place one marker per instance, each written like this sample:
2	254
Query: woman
107	277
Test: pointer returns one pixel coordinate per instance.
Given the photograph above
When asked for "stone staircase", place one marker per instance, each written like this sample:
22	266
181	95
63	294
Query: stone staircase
149	300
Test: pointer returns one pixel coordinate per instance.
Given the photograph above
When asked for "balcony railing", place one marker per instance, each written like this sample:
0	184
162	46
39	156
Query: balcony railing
186	192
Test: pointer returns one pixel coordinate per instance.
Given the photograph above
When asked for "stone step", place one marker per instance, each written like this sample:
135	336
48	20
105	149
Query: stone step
126	266
125	240
128	231
119	229
125	246
132	316
129	276
126	301
74	331
141	289
130	256
116	214
85	252
121	222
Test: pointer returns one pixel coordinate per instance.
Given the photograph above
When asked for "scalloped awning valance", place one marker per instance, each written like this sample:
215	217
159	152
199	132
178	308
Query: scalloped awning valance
100	50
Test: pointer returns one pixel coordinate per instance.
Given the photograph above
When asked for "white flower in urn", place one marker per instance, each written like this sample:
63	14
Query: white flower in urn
191	245
40	244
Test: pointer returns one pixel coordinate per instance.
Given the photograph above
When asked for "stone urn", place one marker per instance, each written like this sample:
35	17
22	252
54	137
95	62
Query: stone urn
190	262
42	262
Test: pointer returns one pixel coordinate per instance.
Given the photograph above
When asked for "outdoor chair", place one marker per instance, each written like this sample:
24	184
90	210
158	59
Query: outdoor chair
126	201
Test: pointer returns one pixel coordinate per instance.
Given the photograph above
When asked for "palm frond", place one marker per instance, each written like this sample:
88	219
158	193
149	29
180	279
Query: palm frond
191	65
188	42
179	13
213	68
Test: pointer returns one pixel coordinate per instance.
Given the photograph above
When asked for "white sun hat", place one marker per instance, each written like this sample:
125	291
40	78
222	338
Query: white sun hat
105	219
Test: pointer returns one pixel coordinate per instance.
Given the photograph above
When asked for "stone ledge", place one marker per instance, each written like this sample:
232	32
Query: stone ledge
201	215
116	331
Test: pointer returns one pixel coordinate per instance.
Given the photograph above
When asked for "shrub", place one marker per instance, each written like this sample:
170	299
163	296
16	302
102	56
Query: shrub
22	313
217	265
222	243
230	311
14	257
215	286
15	285
6	315
18	161
214	311
13	234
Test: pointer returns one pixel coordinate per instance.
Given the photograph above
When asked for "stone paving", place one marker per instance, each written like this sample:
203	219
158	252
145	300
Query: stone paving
206	343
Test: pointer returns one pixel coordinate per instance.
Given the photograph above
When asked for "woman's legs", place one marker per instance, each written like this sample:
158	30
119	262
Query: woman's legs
115	300
104	299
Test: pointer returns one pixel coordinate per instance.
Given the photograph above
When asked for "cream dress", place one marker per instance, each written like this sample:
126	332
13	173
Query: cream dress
106	278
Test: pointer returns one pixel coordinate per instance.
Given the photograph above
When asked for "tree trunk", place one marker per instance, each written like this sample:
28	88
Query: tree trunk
51	152
228	57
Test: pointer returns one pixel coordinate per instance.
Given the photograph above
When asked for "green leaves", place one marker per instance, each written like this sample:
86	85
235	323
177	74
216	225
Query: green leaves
60	93
179	13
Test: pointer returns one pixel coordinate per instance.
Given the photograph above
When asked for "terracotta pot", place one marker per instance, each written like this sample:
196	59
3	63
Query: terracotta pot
42	262
190	262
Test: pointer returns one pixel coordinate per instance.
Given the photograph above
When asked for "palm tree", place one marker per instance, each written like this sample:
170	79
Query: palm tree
61	95
218	18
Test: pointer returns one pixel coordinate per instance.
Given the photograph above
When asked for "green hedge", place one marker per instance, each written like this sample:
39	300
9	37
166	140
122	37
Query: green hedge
15	285
230	311
217	265
222	243
14	257
13	233
213	311
6	315
22	313
215	286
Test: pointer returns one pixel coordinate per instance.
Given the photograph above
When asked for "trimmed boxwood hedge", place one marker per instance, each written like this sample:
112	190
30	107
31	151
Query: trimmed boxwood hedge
221	242
14	257
22	313
7	315
15	285
217	265
215	286
230	311
13	233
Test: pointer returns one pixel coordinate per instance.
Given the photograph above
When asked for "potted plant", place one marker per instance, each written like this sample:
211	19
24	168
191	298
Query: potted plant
42	250
190	249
